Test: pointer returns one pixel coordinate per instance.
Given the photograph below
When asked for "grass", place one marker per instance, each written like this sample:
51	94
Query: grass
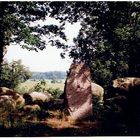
28	85
58	123
59	119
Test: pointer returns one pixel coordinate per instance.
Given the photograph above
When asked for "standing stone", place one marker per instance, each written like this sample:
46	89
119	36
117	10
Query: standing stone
78	94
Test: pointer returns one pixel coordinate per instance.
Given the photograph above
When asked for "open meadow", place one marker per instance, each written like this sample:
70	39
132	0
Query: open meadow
29	85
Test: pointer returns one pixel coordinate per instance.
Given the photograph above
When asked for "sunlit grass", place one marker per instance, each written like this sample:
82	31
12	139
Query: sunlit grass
59	119
28	85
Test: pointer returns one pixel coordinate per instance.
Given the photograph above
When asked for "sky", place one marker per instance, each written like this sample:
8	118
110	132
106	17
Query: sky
47	60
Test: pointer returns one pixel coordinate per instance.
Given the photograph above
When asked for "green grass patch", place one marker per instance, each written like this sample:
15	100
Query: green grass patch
38	85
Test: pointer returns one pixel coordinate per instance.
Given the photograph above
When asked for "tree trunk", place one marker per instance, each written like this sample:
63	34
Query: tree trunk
2	43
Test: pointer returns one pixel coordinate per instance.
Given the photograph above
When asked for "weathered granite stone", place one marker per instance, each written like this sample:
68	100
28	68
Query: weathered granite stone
130	88
126	84
78	93
11	94
98	92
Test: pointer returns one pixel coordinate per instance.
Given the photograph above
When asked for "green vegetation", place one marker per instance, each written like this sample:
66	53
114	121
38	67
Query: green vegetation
108	42
16	26
14	73
55	92
56	89
109	38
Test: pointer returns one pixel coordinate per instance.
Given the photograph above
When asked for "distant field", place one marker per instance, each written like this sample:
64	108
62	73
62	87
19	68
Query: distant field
29	84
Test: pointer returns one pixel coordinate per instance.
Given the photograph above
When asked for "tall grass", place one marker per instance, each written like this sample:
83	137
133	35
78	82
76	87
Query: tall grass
29	85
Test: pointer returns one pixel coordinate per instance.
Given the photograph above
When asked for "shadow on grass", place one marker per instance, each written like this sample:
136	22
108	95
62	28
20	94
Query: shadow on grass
91	129
26	130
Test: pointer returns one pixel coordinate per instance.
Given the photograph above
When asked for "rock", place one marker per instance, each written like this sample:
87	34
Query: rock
130	88
78	94
97	91
7	104
126	84
37	97
5	90
120	101
31	108
19	100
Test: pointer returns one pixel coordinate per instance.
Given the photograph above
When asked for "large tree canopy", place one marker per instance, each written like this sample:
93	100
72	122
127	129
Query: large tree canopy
108	40
16	25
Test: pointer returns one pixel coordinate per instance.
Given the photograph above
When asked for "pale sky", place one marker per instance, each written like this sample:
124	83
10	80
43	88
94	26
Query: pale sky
47	60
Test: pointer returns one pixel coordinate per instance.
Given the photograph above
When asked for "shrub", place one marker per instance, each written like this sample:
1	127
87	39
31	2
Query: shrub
13	73
98	109
40	86
55	92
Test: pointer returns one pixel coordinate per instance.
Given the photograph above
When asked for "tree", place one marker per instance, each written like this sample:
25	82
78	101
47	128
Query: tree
13	73
121	40
16	25
109	38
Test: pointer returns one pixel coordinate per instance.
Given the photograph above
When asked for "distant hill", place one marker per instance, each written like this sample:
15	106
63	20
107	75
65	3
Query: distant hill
49	75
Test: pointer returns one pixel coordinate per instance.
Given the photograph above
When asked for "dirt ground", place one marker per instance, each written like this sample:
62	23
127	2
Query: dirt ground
43	129
52	128
59	125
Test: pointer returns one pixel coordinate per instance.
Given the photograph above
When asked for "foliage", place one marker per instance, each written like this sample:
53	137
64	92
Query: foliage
13	73
40	86
28	86
17	25
109	38
55	92
98	109
21	90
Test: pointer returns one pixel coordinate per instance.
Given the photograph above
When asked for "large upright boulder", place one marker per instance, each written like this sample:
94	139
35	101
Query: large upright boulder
78	93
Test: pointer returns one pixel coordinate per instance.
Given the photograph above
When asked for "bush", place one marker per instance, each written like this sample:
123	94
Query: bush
13	73
55	92
22	90
98	109
40	86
